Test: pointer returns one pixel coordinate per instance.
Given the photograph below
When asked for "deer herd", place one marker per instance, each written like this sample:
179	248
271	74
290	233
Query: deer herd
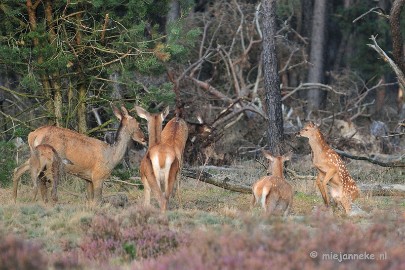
55	150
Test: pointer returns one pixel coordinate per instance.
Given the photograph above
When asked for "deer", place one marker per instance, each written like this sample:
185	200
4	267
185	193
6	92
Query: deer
155	122
91	159
45	165
273	191
164	161
331	169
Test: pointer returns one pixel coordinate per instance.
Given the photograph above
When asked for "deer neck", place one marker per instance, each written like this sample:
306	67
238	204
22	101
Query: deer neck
116	151
155	132
317	143
277	168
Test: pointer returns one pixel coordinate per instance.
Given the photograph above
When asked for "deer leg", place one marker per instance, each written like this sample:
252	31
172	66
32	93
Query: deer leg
18	172
90	191
174	169
43	188
98	191
321	188
326	179
272	203
55	180
346	204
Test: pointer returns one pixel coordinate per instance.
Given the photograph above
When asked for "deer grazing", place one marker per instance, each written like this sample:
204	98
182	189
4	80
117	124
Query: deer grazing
274	192
91	159
45	165
331	170
164	158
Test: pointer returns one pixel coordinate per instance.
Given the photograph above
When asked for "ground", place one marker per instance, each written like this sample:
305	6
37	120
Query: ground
71	228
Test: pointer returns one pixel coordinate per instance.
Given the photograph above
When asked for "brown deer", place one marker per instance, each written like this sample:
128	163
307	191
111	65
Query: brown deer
92	159
274	192
45	165
148	179
331	169
166	159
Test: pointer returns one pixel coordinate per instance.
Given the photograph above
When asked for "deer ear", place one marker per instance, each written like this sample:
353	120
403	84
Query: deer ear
141	112
117	112
165	112
124	111
267	154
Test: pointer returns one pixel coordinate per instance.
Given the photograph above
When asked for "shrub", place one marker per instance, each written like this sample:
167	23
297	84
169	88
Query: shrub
138	234
19	254
289	245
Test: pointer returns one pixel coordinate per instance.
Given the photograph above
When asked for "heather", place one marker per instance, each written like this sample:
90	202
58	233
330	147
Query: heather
206	227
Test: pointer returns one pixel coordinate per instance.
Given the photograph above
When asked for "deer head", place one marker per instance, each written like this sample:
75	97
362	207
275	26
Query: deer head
130	124
309	130
276	163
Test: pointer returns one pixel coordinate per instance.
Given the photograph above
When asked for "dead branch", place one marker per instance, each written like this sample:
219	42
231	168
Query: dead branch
210	179
226	183
382	189
303	86
123	182
377	162
386	58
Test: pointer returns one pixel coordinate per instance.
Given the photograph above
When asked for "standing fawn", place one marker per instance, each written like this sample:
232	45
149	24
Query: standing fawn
274	191
166	160
148	178
91	159
331	169
45	165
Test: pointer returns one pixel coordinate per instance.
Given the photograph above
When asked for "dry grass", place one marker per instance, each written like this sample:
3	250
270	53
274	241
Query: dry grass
61	228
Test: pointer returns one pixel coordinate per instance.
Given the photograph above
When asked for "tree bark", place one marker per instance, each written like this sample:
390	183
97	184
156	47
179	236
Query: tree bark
316	74
271	79
31	10
397	43
174	11
81	87
55	77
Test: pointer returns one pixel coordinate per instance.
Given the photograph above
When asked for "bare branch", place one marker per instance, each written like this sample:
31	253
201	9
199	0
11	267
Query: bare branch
386	58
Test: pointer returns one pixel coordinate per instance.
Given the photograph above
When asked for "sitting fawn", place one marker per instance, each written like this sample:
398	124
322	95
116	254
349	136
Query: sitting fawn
331	169
274	191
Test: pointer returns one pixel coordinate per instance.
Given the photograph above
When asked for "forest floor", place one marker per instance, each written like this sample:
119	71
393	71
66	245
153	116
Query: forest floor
71	234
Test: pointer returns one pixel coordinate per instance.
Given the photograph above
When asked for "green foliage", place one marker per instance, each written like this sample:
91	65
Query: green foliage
86	47
130	249
7	163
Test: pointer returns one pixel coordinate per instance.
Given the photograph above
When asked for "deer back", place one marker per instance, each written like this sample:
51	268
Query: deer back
175	135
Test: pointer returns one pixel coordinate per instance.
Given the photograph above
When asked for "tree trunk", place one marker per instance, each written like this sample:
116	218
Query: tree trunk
316	74
31	9
81	88
81	109
55	77
397	43
174	11
271	79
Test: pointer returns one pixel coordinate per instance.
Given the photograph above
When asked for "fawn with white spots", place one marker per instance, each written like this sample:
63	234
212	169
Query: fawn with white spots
274	192
163	161
331	170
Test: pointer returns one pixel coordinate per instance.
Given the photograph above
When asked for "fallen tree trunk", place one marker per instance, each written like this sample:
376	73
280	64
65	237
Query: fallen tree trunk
383	189
374	161
210	179
228	184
